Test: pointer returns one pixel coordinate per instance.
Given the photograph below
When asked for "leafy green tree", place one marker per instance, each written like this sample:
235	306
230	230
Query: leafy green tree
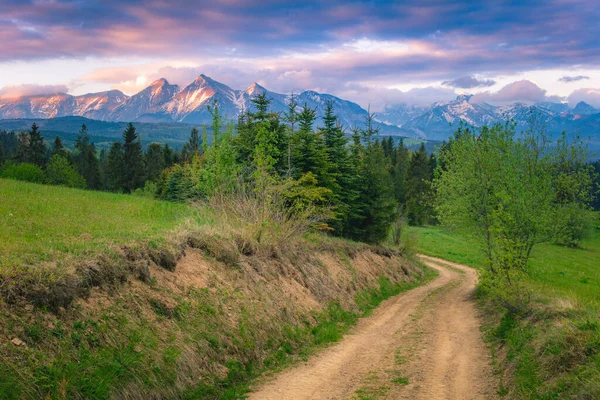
503	190
220	171
36	149
2	153
133	160
155	161
59	171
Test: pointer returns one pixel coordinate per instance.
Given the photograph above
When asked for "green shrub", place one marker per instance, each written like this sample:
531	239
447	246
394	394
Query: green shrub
60	172
23	172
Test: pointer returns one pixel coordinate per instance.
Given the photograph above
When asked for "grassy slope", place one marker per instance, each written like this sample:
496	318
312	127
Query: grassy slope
552	352
42	223
149	338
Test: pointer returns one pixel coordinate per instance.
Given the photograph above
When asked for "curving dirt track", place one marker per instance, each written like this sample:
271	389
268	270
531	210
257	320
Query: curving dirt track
422	344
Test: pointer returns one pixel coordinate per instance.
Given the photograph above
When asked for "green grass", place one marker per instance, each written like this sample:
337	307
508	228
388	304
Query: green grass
555	270
43	223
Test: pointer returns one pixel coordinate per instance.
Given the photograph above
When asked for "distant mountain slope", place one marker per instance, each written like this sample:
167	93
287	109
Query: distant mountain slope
163	102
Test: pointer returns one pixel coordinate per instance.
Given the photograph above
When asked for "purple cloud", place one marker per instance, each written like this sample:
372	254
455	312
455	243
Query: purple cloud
520	91
14	91
469	82
590	96
568	79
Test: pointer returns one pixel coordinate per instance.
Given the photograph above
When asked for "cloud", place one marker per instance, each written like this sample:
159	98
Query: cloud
379	97
469	82
520	91
590	96
13	91
568	79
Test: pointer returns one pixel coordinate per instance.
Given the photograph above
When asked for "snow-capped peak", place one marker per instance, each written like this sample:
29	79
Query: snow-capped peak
255	89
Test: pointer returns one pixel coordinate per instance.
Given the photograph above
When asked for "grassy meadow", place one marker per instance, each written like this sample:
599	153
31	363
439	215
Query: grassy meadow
42	223
555	269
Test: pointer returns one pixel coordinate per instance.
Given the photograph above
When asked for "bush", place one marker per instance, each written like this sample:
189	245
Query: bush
23	172
60	172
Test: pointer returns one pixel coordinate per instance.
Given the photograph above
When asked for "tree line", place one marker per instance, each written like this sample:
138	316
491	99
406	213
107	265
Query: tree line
364	181
367	184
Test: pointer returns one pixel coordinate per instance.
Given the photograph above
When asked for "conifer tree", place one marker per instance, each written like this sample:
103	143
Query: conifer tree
133	160
168	156
86	161
291	117
155	161
400	172
193	147
58	148
418	188
36	149
115	167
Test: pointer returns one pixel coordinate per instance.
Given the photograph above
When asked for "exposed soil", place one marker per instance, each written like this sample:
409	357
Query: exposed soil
422	344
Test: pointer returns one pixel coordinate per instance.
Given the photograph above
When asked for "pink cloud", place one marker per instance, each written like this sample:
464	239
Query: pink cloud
590	96
520	91
14	91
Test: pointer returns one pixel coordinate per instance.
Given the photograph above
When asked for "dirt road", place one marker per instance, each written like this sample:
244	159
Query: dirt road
422	344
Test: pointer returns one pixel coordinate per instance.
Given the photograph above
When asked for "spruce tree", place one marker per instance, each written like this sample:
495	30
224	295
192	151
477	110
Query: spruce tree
193	147
86	160
115	167
155	161
342	170
400	172
2	154
418	188
133	160
58	148
310	153
291	117
36	149
168	156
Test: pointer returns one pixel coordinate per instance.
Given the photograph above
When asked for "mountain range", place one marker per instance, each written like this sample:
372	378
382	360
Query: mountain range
167	103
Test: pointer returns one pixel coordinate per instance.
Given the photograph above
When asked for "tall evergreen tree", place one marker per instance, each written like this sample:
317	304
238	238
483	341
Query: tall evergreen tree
86	160
168	156
400	172
58	148
2	153
291	117
193	147
155	161
418	189
310	153
22	153
115	167
36	149
133	160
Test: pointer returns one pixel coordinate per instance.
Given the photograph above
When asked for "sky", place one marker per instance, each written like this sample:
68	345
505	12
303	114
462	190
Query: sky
371	52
